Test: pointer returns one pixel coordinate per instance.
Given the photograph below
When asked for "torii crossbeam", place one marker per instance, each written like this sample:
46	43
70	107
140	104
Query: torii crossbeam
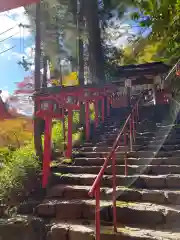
11	4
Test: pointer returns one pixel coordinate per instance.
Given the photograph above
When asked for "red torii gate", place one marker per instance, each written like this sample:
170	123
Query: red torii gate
90	95
6	5
53	105
50	107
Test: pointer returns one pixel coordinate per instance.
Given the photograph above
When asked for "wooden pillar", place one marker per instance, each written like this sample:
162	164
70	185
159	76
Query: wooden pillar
47	152
69	143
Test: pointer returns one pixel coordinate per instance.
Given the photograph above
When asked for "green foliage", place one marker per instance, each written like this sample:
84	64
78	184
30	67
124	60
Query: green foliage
57	135
20	165
5	155
163	17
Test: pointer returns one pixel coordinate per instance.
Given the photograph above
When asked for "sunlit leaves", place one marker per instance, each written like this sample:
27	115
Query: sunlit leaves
15	132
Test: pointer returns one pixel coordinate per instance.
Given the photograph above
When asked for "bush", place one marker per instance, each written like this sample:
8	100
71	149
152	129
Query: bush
5	155
15	132
22	165
58	132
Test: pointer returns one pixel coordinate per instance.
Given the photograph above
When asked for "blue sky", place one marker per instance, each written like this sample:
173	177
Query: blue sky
10	71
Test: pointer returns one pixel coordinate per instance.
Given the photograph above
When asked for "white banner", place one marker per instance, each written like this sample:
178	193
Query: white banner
128	83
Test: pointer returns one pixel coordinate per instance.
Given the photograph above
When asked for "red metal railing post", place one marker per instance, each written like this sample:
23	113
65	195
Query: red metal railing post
96	113
47	152
95	188
125	159
103	109
125	164
125	138
64	129
108	106
130	133
97	213
69	143
87	121
133	125
114	192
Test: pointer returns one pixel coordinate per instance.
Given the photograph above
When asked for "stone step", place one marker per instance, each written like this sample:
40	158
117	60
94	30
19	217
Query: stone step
131	213
163	196
120	169
103	147
21	227
83	161
160	142
153	146
131	154
82	230
86	230
138	181
157	137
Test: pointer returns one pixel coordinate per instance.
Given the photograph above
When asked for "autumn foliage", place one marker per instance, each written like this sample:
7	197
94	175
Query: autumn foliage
15	132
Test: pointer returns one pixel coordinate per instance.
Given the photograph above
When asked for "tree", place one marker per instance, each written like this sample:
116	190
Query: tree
163	17
96	57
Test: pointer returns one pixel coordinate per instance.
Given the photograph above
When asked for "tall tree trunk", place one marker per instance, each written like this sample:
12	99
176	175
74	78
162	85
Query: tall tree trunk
80	42
96	56
45	62
80	24
37	121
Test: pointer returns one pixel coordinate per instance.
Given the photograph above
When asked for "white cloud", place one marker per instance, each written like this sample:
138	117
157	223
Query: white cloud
11	19
28	54
5	95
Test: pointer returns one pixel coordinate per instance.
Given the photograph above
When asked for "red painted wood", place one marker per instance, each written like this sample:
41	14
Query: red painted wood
87	121
6	5
47	151
96	113
69	144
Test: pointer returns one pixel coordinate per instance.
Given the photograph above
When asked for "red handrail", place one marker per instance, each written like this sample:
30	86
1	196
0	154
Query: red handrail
95	189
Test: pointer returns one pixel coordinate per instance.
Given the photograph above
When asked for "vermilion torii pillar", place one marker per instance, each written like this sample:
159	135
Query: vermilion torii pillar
50	107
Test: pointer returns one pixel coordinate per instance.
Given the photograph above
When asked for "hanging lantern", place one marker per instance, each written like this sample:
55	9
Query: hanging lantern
45	105
95	94
178	69
70	99
86	94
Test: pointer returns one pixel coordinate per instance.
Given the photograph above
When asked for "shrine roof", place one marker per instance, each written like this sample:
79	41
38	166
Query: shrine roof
153	69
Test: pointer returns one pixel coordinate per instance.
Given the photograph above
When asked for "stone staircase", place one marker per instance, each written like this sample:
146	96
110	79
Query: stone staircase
148	198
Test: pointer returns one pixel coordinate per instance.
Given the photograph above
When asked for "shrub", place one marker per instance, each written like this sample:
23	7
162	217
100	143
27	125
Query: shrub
58	132
57	135
15	132
21	165
16	173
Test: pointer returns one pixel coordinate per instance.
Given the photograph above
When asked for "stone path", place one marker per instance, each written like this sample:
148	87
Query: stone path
148	198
